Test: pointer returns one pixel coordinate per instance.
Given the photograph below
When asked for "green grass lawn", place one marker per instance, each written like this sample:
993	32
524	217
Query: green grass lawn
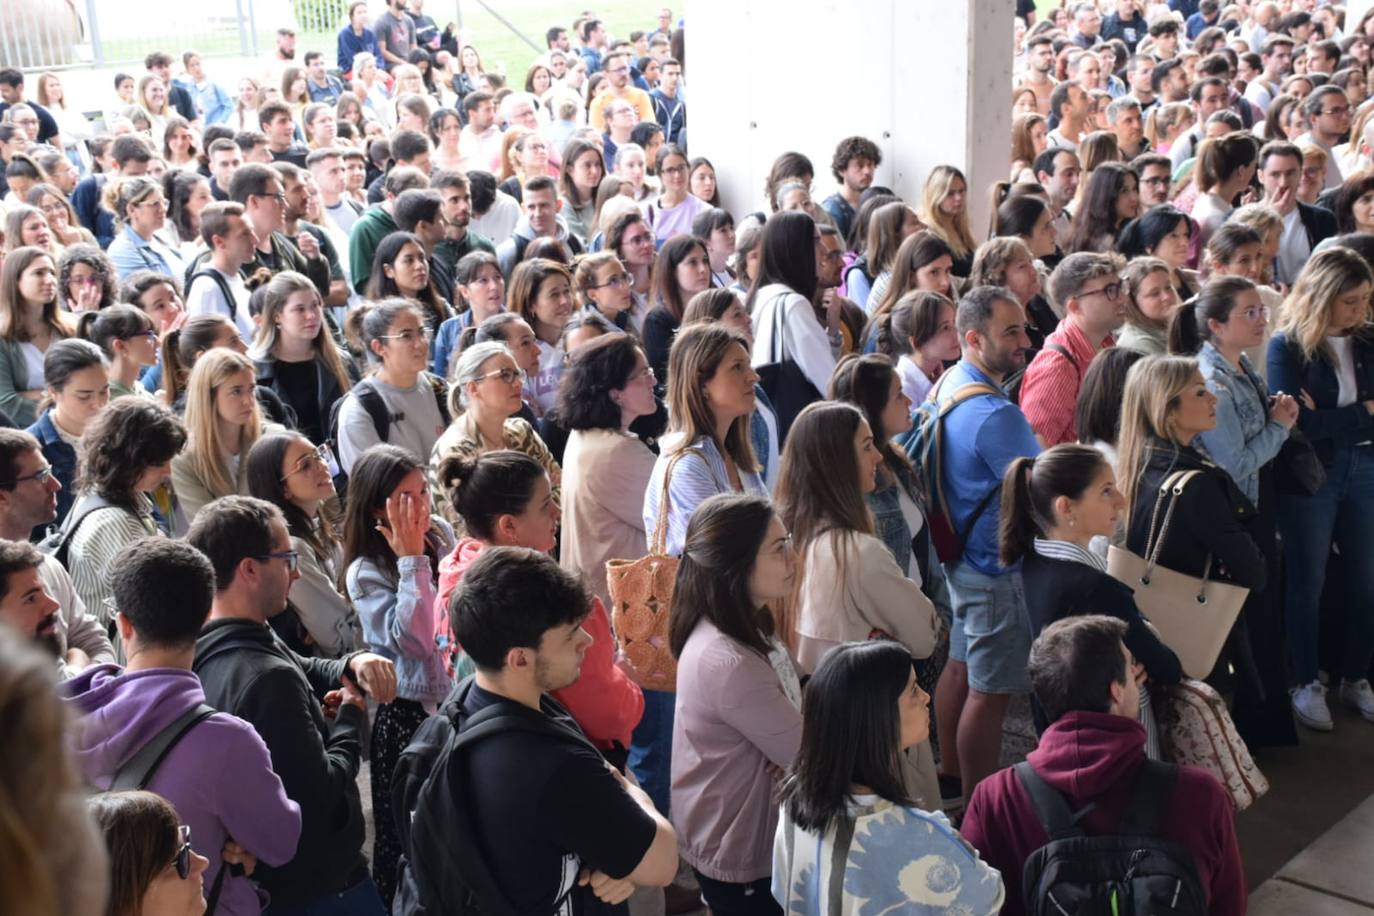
502	50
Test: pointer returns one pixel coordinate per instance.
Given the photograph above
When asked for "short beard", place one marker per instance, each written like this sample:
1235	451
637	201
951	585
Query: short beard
49	640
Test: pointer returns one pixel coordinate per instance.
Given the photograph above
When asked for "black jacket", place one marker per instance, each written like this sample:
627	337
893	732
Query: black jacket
327	391
258	679
1056	589
1328	426
1211	517
1319	223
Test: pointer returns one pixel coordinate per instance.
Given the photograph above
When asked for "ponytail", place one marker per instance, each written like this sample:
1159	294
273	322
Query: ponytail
174	374
1189	328
1030	487
1016	528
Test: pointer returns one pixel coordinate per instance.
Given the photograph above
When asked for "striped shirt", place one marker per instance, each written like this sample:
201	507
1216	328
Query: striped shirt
697	476
96	543
1049	393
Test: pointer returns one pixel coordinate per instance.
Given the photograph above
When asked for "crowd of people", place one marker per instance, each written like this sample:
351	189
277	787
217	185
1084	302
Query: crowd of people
333	410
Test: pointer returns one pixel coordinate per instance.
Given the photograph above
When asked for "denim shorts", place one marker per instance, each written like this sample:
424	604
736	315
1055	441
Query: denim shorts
991	631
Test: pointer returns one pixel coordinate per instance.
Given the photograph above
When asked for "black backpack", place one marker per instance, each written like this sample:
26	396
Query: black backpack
223	285
371	400
1133	872
441	869
58	542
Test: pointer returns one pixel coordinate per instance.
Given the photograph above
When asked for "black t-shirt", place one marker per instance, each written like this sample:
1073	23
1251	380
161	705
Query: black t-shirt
545	809
299	385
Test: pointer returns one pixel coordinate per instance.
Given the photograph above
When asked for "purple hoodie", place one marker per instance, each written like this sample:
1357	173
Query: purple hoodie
219	776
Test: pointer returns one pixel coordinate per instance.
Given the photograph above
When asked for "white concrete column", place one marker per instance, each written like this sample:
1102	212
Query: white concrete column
928	81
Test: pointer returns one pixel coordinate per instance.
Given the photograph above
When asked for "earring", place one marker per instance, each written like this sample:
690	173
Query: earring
1072	522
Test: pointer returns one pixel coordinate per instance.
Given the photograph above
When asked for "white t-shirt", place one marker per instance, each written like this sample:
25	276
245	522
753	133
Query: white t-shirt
1294	248
33	360
205	298
1343	348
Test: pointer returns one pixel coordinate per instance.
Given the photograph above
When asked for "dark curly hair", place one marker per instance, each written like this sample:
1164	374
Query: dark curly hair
126	438
851	148
592	373
96	260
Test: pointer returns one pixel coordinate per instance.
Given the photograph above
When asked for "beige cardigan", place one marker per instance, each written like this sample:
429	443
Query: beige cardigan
873	595
605	473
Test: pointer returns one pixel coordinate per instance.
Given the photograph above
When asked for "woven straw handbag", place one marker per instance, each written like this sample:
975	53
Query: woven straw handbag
642	599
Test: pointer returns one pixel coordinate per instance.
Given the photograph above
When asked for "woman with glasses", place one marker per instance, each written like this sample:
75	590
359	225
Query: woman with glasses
607	386
295	475
153	868
1227	319
75	376
129	341
141	210
672	212
66	230
415	403
86	280
30	322
224	420
485	401
124	456
392	548
296	356
604	286
1237	250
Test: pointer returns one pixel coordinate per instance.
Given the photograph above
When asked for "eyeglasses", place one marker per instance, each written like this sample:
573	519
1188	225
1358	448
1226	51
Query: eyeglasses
646	373
1111	291
279	197
619	281
645	239
151	334
159	202
506	375
1338	111
183	857
1255	313
292	558
410	337
675	170
42	475
321	456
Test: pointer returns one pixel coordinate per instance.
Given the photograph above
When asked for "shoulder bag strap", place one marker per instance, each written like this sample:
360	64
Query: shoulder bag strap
139	769
658	546
1051	808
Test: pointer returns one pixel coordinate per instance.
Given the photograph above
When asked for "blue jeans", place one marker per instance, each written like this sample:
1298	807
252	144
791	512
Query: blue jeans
651	748
1341	512
362	899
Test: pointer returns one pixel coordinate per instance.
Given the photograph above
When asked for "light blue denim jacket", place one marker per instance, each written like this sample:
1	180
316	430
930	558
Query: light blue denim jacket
399	624
1245	439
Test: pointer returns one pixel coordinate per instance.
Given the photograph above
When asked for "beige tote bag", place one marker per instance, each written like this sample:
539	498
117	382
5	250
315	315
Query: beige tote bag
1193	616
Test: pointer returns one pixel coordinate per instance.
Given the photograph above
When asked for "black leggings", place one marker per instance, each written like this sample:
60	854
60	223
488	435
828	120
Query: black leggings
395	725
726	899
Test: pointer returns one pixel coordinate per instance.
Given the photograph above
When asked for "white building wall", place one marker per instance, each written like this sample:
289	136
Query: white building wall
928	80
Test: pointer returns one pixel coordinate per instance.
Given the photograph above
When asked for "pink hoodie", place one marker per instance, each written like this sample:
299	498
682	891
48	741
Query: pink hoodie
604	701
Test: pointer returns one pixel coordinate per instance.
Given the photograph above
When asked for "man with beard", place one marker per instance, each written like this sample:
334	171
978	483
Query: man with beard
989	640
301	222
459	240
1039	69
57	618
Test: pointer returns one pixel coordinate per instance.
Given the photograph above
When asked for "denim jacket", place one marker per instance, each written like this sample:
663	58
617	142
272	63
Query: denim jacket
62	457
890	526
1245	438
398	624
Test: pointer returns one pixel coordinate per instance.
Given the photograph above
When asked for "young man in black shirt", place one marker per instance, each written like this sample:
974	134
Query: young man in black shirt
563	831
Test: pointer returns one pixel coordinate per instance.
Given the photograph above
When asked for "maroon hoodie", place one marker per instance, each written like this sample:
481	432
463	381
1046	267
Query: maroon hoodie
1094	757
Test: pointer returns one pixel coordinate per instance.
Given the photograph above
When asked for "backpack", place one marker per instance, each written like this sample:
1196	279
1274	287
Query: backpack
924	447
441	869
1012	383
1133	872
224	289
371	400
58	543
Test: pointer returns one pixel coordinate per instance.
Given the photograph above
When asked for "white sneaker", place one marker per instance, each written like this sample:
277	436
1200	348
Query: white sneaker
1360	695
1309	705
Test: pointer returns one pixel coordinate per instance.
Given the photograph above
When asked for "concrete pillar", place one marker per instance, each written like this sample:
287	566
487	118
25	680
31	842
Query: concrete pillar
929	82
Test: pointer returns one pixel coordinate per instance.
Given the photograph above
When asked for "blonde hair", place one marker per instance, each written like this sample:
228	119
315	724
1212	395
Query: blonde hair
1306	313
1264	219
1097	147
141	100
953	230
1164	118
204	448
1153	388
1133	276
993	257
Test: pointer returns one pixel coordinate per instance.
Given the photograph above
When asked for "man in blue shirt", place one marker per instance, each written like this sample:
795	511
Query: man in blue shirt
320	86
669	108
593	43
990	636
